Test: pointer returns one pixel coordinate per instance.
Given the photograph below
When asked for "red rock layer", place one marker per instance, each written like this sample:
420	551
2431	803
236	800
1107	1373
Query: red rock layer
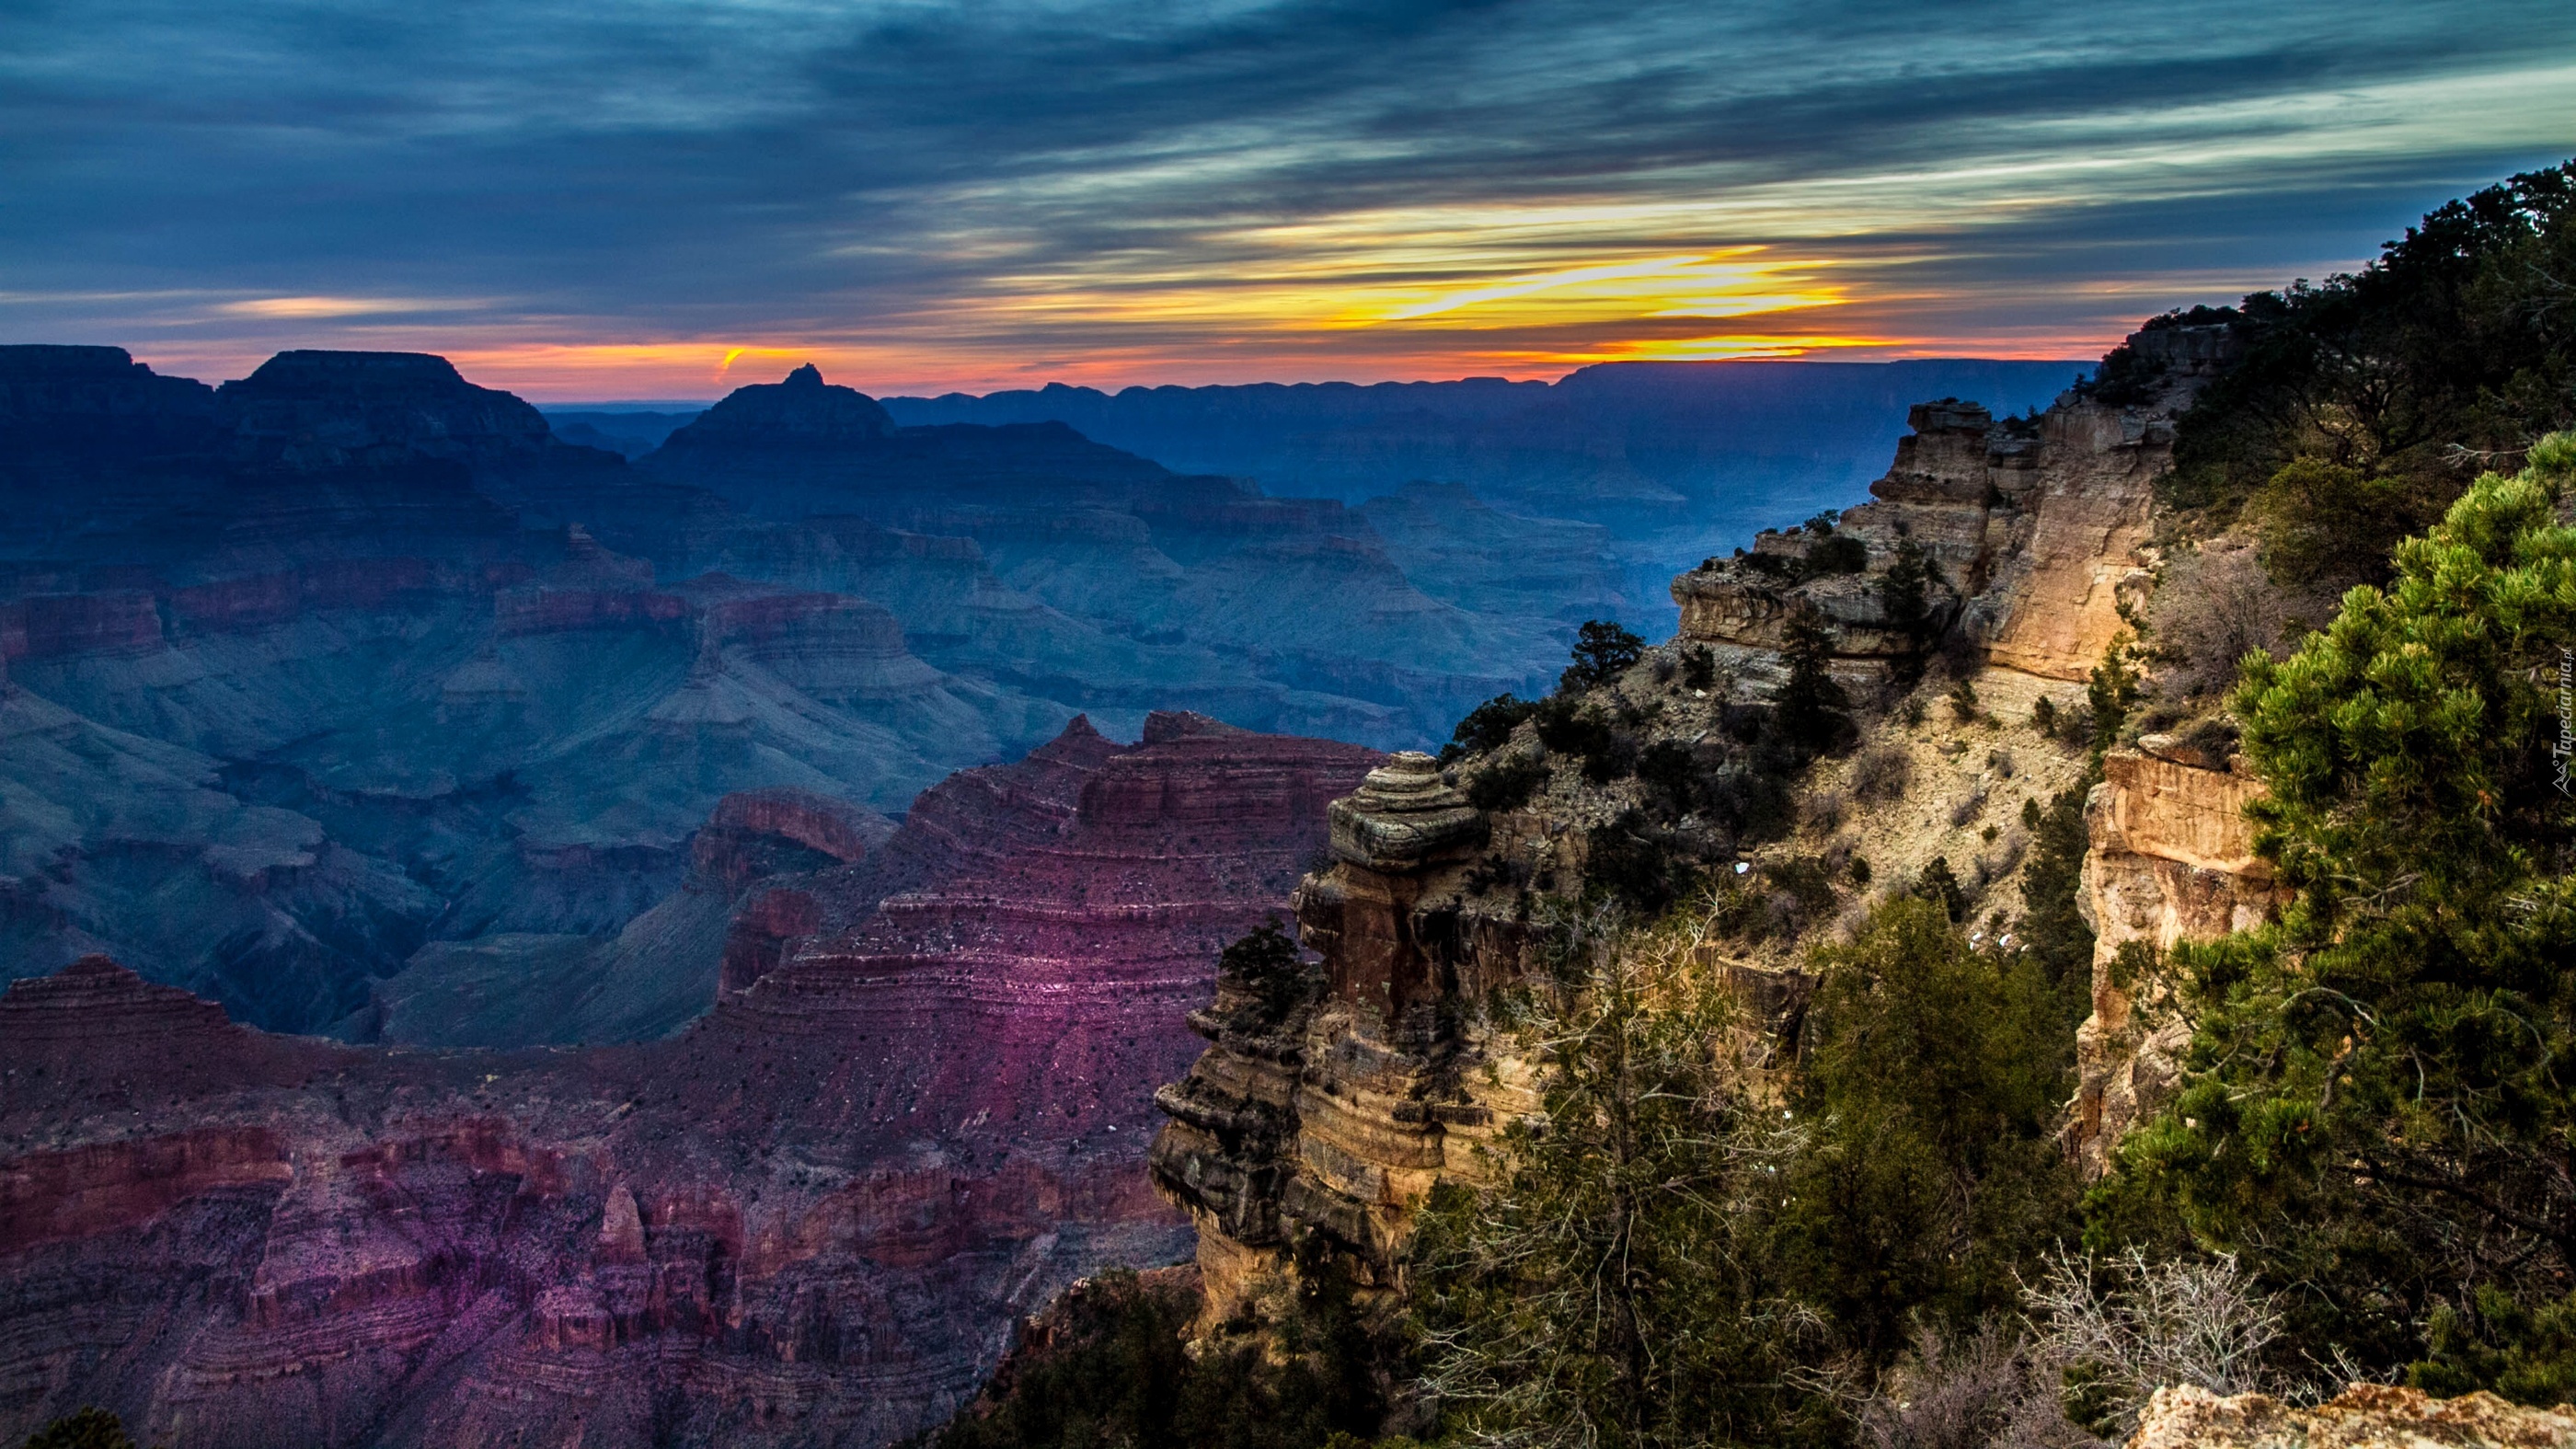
1070	916
810	1220
49	626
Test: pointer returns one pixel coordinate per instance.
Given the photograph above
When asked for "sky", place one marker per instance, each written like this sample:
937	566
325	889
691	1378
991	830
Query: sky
651	199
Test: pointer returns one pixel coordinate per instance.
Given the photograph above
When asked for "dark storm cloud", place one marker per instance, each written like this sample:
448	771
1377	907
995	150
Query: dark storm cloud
219	176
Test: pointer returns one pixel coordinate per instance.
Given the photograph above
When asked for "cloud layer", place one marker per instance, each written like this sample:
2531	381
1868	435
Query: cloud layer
640	199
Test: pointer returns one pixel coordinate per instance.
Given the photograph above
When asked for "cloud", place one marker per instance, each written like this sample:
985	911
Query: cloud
928	194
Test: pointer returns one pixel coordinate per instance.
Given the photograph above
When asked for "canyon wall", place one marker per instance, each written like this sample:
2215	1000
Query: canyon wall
2033	528
2172	859
1334	1114
811	1218
350	665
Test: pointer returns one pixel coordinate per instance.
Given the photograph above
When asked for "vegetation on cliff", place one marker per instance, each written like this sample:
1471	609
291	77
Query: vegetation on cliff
1855	1220
1679	1250
2383	1084
2366	403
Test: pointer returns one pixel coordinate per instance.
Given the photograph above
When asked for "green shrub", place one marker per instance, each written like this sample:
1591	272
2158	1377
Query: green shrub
88	1429
1602	652
1939	885
1268	969
1506	782
1488	727
1839	554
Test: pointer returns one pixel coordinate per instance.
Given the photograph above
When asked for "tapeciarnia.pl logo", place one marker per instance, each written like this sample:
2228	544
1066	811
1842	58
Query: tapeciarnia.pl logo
2565	746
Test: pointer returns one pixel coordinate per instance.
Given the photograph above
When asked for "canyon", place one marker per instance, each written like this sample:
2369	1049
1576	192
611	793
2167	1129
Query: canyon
1656	459
915	1108
350	664
729	1093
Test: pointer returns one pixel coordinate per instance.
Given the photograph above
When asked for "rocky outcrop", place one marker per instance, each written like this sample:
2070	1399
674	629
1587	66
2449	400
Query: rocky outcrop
2032	526
800	411
781	831
812	1218
2365	1416
1336	1113
2172	859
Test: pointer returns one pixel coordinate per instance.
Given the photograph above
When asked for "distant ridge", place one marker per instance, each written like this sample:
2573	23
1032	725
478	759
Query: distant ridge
1617	437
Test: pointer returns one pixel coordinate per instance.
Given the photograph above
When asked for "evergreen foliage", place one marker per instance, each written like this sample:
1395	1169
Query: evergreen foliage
1598	1296
1506	783
1602	652
2052	928
1267	968
1940	886
1810	707
1904	594
1118	1375
1671	1256
2364	402
1583	731
1487	727
2383	1085
1933	1079
2110	695
87	1429
1837	554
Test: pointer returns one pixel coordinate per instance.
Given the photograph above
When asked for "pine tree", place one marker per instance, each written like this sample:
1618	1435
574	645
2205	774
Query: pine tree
1904	594
1810	705
1602	652
2383	1085
1592	1297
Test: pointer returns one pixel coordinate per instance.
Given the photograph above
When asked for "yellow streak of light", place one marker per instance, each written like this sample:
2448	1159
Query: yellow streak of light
311	308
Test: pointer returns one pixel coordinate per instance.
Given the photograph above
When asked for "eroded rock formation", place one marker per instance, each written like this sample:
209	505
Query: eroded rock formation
2172	859
810	1219
2033	526
1335	1112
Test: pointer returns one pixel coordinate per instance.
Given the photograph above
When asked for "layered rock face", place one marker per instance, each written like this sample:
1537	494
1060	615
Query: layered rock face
1061	919
2172	859
351	660
810	1219
1336	1113
2033	525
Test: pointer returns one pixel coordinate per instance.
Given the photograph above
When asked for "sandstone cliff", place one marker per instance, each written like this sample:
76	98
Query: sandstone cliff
1336	1114
2033	526
2172	860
